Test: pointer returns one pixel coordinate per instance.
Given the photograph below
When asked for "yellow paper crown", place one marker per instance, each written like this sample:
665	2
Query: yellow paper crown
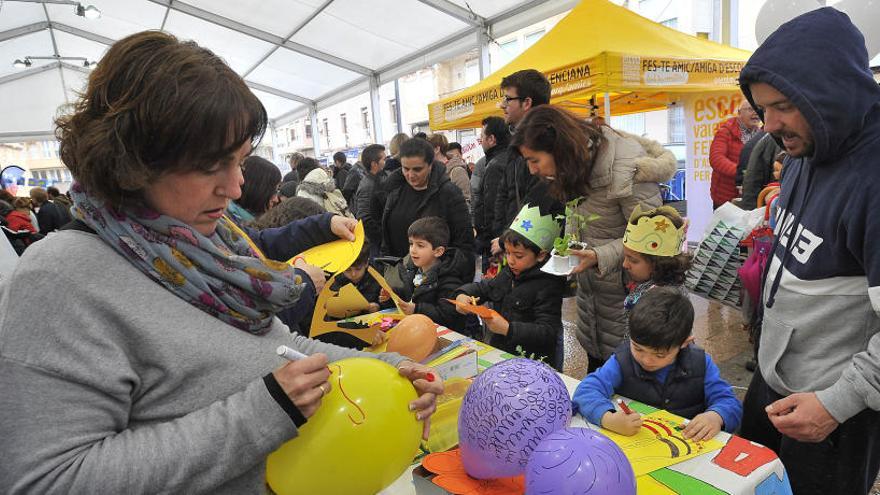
654	233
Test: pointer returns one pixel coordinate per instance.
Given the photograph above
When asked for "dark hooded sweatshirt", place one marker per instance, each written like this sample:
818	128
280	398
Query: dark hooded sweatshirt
821	330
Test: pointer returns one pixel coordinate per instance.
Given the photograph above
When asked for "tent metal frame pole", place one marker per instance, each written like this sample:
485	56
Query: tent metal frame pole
316	133
397	109
286	39
376	109
261	35
483	48
455	11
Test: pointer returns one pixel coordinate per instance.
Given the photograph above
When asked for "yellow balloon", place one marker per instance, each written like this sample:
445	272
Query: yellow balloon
359	441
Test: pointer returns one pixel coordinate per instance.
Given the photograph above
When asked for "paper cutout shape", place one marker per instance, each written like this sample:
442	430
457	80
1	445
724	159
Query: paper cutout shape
647	484
683	484
659	443
755	456
363	327
335	256
481	311
452	477
346	303
772	485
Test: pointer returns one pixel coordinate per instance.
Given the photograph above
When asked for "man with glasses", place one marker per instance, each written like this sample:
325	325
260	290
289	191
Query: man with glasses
725	150
523	90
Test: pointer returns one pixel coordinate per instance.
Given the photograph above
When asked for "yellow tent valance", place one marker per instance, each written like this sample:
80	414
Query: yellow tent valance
602	48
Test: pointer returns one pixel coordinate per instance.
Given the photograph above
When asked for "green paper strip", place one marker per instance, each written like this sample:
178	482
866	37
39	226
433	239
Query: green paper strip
641	408
484	364
684	484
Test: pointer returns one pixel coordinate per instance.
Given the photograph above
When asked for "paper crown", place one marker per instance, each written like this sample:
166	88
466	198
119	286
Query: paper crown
654	233
540	229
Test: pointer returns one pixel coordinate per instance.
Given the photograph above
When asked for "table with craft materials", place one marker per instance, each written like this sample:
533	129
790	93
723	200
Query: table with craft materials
664	462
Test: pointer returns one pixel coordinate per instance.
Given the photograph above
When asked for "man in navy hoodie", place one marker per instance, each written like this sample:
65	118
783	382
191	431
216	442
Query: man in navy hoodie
816	394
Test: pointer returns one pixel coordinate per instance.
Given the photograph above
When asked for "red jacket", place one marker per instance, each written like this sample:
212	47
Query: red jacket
19	220
724	157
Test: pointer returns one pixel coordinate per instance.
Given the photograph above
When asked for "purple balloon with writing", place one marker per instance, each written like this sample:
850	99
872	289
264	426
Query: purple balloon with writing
506	413
579	461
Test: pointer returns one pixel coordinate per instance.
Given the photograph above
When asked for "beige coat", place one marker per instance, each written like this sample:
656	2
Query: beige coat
626	173
456	170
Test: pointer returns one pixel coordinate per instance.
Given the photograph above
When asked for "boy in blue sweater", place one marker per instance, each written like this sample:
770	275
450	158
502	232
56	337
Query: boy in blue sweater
660	366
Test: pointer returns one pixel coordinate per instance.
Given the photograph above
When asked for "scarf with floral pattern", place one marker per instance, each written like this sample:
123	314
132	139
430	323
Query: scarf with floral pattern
224	274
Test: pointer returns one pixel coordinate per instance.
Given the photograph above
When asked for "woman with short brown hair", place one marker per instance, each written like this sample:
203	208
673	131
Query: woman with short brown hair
140	355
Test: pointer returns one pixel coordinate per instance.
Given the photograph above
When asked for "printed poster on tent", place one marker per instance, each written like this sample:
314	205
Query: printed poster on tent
703	115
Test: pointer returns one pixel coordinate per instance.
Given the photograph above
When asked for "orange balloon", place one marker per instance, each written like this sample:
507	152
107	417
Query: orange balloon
414	337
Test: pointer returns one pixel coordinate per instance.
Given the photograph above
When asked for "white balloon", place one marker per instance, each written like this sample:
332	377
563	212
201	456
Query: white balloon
775	13
865	14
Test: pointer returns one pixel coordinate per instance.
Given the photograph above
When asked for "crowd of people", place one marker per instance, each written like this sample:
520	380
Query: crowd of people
160	377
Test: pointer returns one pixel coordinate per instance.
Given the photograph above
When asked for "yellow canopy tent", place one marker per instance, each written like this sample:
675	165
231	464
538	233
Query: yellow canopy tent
599	48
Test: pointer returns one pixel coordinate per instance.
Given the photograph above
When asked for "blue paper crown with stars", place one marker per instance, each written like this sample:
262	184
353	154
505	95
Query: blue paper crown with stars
540	229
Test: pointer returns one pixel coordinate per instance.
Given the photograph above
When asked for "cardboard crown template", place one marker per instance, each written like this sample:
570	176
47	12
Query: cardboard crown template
653	234
540	229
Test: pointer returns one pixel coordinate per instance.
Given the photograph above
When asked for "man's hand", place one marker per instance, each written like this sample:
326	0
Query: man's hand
801	417
704	426
588	259
343	227
622	423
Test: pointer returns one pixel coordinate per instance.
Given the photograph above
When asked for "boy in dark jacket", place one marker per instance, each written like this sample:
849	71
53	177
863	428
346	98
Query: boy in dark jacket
529	300
660	366
430	273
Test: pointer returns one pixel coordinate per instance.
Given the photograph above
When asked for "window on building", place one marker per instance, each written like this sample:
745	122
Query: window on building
531	38
293	133
365	118
392	105
633	124
472	72
673	23
326	127
676	124
508	50
344	122
308	130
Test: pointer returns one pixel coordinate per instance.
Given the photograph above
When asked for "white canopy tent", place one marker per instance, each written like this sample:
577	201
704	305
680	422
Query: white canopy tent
297	56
